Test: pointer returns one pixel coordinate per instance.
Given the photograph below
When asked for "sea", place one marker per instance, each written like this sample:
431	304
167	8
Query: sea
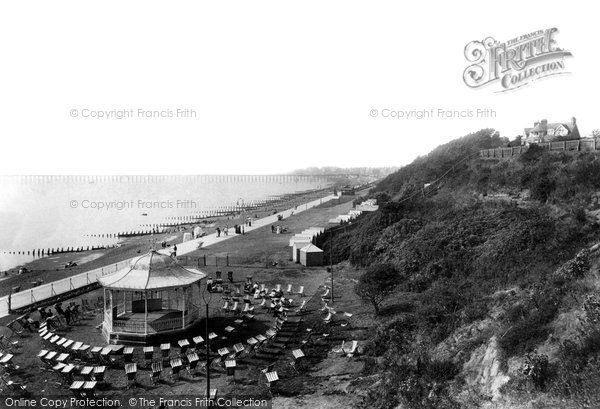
51	212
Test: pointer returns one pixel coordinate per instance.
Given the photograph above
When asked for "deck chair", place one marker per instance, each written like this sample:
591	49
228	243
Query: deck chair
230	365
193	361
264	303
176	365
165	350
131	372
248	308
128	354
77	388
272	378
89	389
289	289
278	288
301	291
8	344
300	310
226	306
326	292
85	306
87	373
17	387
148	354
234	308
297	354
270	335
350	351
238	349
212	395
183	346
7	364
252	345
67	373
156	368
17	328
99	372
198	341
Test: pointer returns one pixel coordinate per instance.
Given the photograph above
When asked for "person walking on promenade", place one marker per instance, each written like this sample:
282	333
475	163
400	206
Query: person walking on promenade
218	232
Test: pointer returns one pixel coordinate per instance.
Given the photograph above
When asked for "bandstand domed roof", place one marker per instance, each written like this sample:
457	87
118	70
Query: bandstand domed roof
152	271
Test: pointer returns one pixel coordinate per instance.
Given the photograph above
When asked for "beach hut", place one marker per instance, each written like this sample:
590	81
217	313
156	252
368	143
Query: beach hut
296	249
152	298
311	255
300	237
187	237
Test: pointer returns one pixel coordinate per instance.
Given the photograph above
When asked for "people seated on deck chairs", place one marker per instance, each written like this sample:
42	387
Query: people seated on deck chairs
29	323
74	309
63	313
44	314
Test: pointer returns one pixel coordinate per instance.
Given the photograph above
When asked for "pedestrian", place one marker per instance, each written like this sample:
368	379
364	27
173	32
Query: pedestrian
218	232
67	314
226	230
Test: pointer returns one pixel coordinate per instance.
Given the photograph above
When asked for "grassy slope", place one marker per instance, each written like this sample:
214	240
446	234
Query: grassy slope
491	226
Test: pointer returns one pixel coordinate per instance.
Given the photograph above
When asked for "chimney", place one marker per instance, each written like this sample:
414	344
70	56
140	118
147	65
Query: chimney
544	126
574	121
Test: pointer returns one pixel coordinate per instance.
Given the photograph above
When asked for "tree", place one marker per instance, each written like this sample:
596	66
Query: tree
377	283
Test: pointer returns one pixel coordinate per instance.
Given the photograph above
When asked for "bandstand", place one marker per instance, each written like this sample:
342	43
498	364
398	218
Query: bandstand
152	299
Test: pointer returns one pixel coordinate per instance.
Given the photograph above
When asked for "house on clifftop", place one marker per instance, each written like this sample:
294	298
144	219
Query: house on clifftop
543	131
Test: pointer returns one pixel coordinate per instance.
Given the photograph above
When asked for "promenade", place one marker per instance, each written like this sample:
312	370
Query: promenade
49	290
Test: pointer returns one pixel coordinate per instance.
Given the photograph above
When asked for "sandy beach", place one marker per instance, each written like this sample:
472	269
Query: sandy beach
51	268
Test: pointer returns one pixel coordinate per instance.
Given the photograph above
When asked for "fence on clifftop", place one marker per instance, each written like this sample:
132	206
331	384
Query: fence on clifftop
589	145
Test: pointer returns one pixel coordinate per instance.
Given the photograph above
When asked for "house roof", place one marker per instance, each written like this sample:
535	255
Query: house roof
152	271
552	125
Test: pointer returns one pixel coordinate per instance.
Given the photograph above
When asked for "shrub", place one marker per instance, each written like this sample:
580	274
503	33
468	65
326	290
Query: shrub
573	269
377	283
536	369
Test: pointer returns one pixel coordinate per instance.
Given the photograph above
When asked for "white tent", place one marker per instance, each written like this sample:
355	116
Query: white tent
296	249
311	255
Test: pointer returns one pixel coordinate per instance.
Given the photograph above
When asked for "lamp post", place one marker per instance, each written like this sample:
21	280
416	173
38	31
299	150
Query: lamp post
331	263
207	299
240	203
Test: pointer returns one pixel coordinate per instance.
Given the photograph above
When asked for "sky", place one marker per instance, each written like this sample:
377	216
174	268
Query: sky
266	86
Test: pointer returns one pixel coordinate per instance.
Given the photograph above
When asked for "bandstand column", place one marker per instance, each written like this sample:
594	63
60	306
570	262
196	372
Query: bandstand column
145	313
183	309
